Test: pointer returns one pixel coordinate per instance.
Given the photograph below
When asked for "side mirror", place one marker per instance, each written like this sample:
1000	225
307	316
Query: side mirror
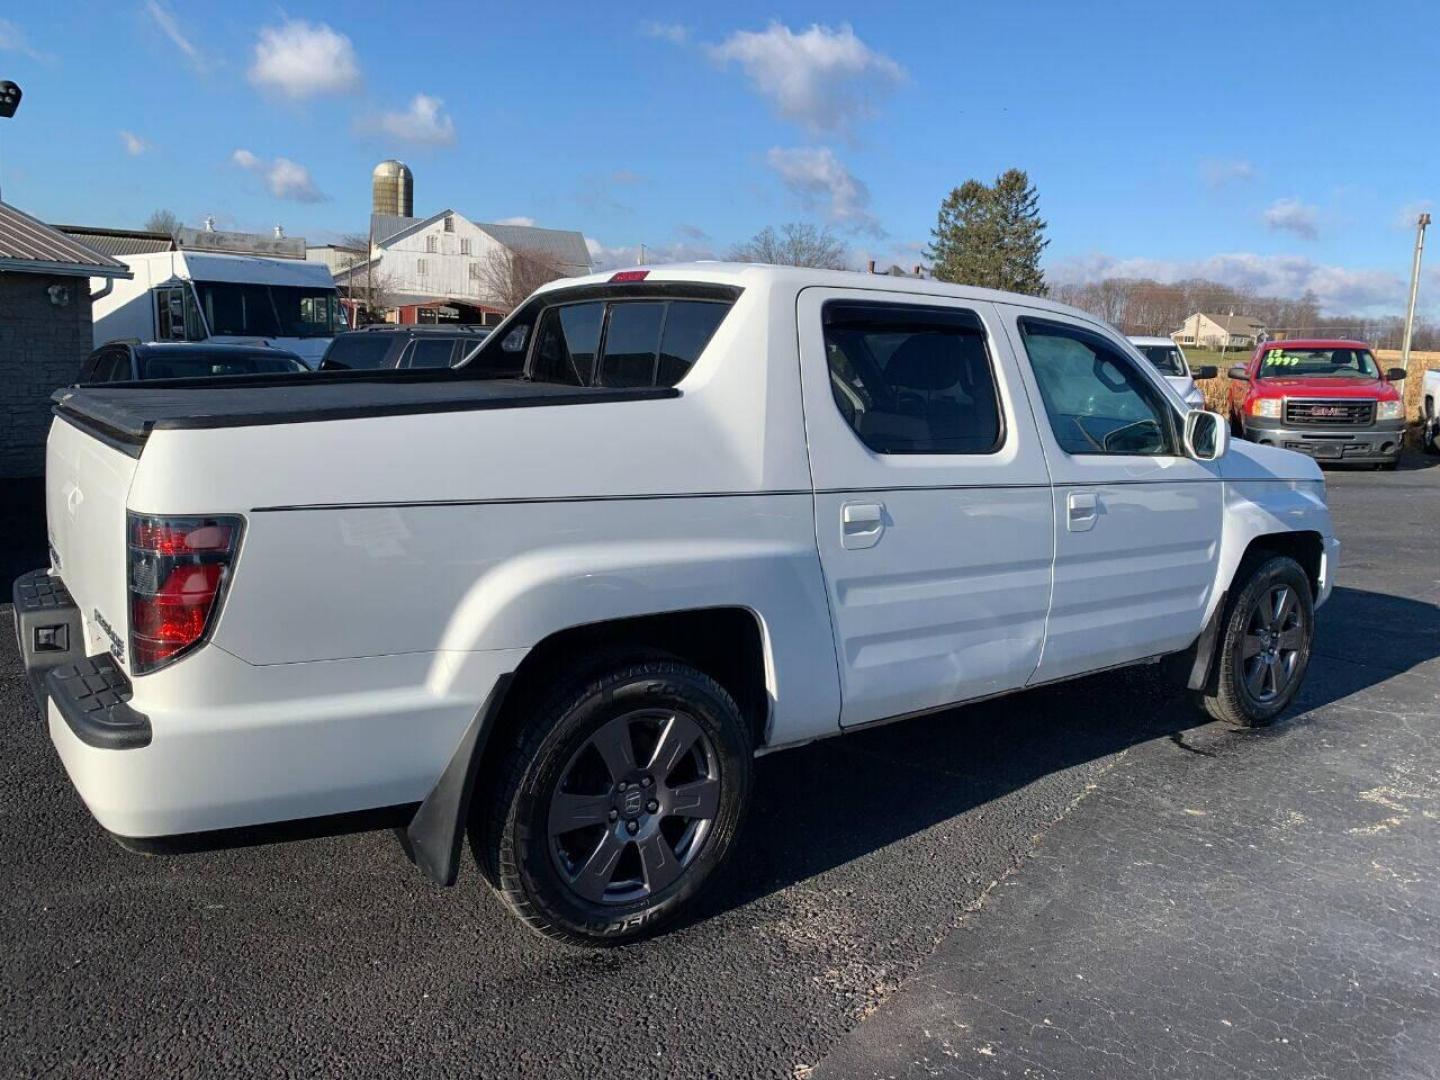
1395	374
1205	371
1239	374
1207	436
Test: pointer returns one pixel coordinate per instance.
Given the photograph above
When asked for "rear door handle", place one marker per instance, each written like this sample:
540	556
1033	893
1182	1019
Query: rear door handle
861	524
1082	509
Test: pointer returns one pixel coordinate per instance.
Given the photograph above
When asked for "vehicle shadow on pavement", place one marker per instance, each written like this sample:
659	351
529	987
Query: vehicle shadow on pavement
821	806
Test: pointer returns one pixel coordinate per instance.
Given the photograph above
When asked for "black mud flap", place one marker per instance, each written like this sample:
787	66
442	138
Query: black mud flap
433	837
1194	668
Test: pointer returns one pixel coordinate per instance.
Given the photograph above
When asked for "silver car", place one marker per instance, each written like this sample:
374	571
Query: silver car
1169	359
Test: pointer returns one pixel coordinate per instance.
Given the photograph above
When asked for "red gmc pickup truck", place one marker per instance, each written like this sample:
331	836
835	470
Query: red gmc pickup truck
1325	398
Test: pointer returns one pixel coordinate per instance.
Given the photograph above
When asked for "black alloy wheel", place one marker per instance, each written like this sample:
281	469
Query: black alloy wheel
622	797
1265	642
634	806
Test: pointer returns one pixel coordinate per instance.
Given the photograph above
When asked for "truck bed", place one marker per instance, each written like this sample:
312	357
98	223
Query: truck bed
124	415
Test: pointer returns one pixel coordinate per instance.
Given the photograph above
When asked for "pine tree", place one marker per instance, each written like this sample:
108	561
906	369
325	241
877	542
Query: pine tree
991	236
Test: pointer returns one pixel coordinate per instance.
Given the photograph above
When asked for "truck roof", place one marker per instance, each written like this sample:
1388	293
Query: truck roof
249	269
1315	343
743	274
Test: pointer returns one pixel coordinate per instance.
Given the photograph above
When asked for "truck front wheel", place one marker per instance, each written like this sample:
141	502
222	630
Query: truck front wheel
1265	646
623	796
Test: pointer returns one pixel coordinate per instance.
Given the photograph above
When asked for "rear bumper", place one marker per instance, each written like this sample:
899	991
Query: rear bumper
214	744
1378	443
90	693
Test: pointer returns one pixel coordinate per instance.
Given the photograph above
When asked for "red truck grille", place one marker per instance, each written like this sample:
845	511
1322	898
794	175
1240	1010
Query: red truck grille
1330	413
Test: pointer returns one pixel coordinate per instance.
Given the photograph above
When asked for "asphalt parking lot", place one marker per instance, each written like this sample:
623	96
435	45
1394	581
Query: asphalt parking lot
1080	881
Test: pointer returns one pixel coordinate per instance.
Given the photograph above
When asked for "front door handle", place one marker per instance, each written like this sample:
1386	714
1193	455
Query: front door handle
1082	508
861	524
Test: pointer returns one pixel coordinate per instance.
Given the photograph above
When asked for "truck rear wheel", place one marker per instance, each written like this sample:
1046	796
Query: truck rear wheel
623	797
1265	646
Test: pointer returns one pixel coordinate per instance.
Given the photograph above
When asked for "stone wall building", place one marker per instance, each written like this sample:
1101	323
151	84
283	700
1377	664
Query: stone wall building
45	330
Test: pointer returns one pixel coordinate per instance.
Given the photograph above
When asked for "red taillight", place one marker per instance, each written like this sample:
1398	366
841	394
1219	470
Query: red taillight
178	570
179	538
629	275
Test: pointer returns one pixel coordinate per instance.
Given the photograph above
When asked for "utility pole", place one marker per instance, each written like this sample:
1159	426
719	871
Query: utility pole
1420	225
369	269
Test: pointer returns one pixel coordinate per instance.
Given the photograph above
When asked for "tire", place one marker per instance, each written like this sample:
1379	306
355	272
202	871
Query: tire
1253	690
1237	429
1430	429
623	797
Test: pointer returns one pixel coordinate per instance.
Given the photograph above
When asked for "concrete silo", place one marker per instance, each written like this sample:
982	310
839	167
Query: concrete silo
392	187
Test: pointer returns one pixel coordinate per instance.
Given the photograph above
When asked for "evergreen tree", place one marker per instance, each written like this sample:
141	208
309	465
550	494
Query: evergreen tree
991	236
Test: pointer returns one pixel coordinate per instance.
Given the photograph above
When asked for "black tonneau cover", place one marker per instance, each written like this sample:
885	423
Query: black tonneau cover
125	415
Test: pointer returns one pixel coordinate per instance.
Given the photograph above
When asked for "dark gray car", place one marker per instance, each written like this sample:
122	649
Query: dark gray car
136	361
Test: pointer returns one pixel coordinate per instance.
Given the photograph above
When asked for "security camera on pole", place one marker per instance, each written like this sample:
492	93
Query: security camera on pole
9	99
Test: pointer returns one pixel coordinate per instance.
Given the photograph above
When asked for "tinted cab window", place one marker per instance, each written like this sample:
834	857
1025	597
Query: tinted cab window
622	342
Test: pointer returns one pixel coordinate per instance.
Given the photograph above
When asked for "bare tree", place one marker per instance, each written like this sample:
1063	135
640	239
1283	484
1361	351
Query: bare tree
163	221
508	276
796	244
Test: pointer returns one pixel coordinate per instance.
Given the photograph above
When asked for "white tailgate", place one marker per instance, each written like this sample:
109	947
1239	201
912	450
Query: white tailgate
86	484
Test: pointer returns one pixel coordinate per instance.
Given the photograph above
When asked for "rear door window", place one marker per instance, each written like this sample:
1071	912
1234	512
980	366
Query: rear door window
913	380
358	351
430	353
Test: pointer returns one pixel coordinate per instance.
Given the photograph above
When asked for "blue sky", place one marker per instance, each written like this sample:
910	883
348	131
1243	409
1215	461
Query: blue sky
1281	145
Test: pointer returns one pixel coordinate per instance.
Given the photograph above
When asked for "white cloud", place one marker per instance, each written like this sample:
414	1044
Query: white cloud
134	144
823	184
824	79
675	251
170	27
675	33
13	39
284	178
300	59
521	219
425	121
1293	216
1340	290
1218	173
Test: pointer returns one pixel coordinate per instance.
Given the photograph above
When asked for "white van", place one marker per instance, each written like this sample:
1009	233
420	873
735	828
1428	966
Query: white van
235	299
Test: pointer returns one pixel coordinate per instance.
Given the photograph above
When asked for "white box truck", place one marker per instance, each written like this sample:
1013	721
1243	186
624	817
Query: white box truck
223	298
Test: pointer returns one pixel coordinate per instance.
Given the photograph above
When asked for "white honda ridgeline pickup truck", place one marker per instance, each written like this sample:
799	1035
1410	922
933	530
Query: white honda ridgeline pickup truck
663	521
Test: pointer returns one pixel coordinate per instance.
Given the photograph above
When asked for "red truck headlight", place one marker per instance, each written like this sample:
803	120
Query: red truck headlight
178	570
1265	407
